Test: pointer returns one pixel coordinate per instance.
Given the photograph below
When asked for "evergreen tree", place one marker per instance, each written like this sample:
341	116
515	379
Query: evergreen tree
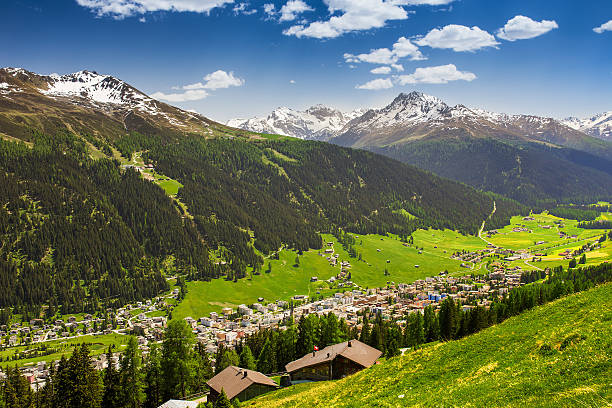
306	337
153	378
266	362
430	324
448	319
228	358
246	359
572	263
175	359
78	383
223	401
364	336
16	391
111	397
131	376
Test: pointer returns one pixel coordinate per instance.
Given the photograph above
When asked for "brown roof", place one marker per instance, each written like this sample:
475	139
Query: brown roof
233	380
353	350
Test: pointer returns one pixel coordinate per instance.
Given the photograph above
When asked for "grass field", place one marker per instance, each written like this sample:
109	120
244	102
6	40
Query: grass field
286	280
504	365
385	252
98	345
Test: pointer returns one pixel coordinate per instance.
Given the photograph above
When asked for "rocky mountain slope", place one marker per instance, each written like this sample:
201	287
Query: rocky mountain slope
416	116
599	126
86	102
318	122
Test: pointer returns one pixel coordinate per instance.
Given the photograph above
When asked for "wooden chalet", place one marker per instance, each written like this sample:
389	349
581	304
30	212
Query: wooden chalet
239	383
333	362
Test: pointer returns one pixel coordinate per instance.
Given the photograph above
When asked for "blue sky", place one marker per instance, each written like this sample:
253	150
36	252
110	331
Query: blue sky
243	58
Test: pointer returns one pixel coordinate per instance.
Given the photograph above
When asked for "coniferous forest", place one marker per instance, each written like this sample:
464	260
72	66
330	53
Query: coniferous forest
80	234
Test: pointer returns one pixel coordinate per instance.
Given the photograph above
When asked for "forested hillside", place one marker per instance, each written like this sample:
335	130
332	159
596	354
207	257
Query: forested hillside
533	174
84	233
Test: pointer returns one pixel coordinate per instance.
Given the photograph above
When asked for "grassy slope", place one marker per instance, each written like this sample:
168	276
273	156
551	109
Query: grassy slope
286	280
500	366
97	345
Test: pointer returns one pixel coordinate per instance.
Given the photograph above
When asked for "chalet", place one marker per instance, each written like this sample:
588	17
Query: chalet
239	383
333	362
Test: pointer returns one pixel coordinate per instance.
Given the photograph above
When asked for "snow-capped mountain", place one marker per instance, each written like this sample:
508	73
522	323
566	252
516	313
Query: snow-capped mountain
318	122
57	95
417	116
599	126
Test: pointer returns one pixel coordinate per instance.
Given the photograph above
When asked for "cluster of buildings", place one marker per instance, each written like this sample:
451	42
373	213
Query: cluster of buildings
393	302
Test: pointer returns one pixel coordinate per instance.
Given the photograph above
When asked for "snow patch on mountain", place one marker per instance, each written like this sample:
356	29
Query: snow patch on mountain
318	122
599	126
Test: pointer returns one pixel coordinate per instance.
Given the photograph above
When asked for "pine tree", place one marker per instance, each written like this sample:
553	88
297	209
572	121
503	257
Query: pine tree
223	401
364	336
131	376
266	362
448	319
16	391
153	378
306	337
175	359
430	324
246	359
228	358
111	396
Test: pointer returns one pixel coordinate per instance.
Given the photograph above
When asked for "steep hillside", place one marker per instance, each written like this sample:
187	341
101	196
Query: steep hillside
98	107
528	158
75	223
557	355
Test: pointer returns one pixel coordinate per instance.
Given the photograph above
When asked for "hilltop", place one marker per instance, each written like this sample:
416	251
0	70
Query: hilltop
554	355
78	152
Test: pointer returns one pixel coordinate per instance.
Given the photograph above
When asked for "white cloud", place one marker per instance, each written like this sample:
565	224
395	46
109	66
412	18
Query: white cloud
376	84
458	38
191	95
194	92
125	8
523	28
217	80
243	8
381	70
441	74
397	67
355	15
292	9
269	9
402	48
142	20
604	27
292	81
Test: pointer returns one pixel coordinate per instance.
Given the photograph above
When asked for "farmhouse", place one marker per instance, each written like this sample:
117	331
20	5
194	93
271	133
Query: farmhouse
239	383
333	362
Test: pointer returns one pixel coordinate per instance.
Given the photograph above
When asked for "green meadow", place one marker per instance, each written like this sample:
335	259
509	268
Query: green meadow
556	355
286	279
386	259
97	345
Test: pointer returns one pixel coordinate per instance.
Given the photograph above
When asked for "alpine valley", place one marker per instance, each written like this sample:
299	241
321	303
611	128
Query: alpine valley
532	159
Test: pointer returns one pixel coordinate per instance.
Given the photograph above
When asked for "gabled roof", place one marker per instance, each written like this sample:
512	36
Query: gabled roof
233	380
353	350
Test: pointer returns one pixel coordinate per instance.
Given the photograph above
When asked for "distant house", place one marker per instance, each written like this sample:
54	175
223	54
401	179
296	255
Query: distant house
333	362
240	383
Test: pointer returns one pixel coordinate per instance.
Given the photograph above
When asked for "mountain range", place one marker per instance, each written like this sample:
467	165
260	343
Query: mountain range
318	122
81	227
530	158
597	126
